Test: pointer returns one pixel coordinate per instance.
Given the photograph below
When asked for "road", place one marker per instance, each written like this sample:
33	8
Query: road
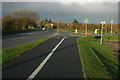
22	38
56	58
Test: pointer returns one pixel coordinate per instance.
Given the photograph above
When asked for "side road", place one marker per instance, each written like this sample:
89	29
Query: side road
64	63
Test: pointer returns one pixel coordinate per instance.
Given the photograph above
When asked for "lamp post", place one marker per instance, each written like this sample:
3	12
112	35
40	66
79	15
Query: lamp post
58	19
102	22
67	25
111	26
86	21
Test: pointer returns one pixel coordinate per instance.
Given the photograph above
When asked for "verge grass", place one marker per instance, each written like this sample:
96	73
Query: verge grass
107	38
10	53
98	60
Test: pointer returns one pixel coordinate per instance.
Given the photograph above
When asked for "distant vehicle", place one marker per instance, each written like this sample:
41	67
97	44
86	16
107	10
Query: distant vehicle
43	29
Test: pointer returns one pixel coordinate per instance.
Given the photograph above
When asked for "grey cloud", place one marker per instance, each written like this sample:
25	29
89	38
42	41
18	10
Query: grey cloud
69	12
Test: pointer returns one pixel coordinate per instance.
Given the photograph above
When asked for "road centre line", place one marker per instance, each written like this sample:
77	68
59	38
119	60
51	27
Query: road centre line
54	34
14	38
18	38
44	61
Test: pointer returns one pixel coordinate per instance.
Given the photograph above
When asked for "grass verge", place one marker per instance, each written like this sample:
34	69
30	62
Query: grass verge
10	53
98	60
107	38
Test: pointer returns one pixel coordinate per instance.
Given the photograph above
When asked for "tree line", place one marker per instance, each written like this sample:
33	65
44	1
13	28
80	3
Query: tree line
23	19
76	25
18	20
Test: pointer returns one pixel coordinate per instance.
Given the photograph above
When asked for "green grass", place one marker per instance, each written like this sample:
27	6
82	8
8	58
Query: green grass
110	37
98	60
0	57
107	38
10	53
89	31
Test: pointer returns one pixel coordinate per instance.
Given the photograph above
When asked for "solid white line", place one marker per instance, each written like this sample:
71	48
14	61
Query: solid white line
44	61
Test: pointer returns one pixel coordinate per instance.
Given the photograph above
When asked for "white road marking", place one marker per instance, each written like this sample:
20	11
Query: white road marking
55	34
14	38
30	33
27	34
44	61
18	38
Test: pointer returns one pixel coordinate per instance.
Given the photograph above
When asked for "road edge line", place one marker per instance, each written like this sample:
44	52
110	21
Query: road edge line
41	65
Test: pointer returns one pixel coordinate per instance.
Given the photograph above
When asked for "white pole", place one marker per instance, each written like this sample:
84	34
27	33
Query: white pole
58	25
102	22
86	20
111	28
101	34
86	30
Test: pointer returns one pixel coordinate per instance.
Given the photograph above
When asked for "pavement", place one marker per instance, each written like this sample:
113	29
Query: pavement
56	58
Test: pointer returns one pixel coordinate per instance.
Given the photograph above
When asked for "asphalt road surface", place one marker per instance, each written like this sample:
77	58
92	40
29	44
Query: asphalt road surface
56	58
22	38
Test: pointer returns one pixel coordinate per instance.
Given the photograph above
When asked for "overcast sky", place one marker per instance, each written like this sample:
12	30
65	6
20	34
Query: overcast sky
61	0
95	11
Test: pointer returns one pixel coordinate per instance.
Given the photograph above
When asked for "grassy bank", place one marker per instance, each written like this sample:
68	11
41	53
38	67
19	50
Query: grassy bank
13	52
98	60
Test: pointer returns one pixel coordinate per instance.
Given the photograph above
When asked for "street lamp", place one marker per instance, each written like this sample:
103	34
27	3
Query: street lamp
67	25
86	21
111	26
102	22
58	25
58	19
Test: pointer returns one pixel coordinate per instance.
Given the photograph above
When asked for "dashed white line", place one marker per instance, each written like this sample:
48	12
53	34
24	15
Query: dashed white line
44	61
30	33
14	38
55	34
18	38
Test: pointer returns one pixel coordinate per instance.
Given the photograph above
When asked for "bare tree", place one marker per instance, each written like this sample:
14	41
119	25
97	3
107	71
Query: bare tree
8	23
26	13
